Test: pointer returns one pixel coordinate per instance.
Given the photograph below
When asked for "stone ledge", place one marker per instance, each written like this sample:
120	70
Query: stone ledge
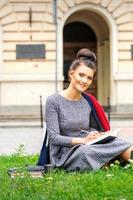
20	117
121	115
20	124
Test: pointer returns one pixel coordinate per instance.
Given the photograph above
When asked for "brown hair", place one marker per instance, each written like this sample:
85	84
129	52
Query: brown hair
84	56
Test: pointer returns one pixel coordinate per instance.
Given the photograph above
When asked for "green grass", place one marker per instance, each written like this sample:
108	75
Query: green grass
115	183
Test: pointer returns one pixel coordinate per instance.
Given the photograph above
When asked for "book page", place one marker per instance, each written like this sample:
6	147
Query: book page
104	138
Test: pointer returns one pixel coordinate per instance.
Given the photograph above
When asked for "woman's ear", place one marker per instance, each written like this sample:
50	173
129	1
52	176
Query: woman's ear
70	73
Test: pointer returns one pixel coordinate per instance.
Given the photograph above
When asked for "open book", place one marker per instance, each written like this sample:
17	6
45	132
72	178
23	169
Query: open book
104	138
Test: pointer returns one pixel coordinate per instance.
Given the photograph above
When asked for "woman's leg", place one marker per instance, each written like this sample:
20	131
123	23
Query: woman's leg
126	155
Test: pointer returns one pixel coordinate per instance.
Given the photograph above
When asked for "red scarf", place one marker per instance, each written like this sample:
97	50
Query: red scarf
100	113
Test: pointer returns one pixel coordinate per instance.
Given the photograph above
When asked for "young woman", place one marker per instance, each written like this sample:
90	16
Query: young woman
69	112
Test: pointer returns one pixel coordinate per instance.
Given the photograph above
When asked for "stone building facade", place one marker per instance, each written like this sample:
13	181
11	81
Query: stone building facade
105	26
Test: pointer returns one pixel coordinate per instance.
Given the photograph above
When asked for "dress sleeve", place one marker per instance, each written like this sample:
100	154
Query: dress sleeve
52	124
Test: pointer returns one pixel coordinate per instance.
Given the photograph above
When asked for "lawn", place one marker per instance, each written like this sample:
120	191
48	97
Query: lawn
114	183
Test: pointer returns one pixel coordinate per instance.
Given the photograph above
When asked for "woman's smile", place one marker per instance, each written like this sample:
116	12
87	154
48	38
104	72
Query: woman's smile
83	85
82	78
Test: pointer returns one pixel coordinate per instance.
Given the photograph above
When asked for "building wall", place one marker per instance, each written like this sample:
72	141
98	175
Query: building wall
23	81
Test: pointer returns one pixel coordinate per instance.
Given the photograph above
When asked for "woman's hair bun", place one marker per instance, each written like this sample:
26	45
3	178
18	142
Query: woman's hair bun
86	54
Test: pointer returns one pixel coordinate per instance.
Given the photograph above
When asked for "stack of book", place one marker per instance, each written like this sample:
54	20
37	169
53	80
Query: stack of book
32	171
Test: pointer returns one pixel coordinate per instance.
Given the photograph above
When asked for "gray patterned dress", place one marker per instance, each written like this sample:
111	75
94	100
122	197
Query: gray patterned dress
64	120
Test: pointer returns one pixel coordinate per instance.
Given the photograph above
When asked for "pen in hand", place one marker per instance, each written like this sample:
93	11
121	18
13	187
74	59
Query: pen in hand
89	132
84	131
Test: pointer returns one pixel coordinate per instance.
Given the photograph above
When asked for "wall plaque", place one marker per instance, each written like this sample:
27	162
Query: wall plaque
30	51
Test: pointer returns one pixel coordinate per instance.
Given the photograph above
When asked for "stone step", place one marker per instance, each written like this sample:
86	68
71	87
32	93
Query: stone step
19	117
116	120
121	115
31	117
20	121
20	124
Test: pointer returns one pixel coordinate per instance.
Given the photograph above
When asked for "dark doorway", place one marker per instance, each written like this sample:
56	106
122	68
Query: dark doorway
77	35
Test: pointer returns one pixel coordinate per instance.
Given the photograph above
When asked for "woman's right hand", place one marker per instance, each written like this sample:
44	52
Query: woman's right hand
91	136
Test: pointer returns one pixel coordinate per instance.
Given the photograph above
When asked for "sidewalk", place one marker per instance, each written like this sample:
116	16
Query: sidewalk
12	137
31	135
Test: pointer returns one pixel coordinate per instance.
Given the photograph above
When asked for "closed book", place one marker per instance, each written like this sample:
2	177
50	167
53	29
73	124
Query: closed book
25	174
33	171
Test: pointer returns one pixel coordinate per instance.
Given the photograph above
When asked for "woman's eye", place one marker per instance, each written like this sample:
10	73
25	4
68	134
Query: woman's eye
81	75
89	78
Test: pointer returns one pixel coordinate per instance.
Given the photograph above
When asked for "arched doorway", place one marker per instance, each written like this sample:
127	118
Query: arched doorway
97	26
77	35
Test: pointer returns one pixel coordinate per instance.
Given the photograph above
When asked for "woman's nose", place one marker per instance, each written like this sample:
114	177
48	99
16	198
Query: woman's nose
84	80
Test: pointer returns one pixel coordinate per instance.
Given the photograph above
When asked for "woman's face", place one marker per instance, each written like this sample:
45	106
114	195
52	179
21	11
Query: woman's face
81	78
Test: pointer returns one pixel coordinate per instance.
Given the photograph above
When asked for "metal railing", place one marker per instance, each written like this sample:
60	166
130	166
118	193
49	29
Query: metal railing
108	108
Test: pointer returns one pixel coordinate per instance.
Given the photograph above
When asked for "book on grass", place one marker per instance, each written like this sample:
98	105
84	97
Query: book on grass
25	174
104	138
33	171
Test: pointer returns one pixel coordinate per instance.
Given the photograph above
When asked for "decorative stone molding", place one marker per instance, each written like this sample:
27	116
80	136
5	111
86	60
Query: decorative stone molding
30	78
